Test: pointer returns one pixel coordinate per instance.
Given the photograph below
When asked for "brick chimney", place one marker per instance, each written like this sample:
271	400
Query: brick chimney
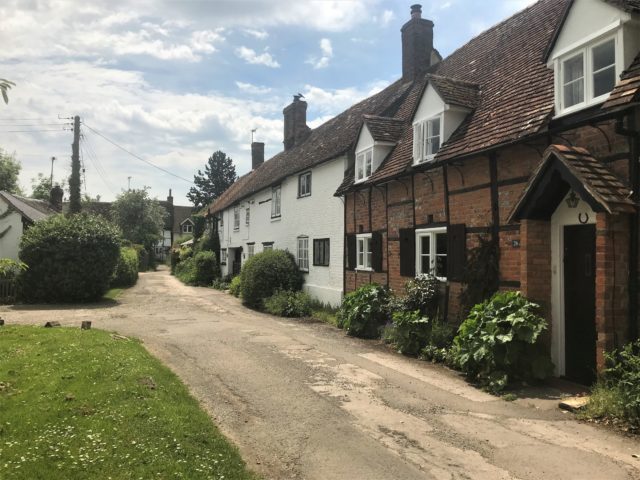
295	122
170	198
257	154
55	198
417	45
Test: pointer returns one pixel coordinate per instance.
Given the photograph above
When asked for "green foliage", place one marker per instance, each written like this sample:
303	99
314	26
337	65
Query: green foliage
41	186
143	257
364	311
267	272
235	286
616	395
11	269
199	225
181	239
81	405
286	303
219	174
220	284
205	268
481	275
126	274
410	332
499	342
70	259
5	86
140	218
421	293
439	343
186	271
185	253
9	172
175	259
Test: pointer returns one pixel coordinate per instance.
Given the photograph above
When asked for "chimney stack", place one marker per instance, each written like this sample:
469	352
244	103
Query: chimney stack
170	198
55	198
417	45
257	154
295	122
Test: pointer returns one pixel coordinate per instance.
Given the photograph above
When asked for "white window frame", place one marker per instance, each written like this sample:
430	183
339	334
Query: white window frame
266	247
276	202
431	234
223	256
364	164
304	180
247	216
587	64
364	253
251	250
422	139
187	227
236	219
303	253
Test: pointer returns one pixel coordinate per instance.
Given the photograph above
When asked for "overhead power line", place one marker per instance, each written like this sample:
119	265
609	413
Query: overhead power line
136	156
34	130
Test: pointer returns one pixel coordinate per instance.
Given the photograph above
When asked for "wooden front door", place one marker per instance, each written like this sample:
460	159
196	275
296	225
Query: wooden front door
580	302
237	261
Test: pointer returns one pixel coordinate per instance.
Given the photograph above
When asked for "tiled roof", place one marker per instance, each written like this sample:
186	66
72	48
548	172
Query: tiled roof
384	129
330	140
628	89
627	5
598	182
180	214
30	208
455	92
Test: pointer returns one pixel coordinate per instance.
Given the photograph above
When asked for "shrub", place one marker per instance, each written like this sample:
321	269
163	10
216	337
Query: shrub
498	342
410	332
235	286
70	259
143	257
439	344
364	311
220	284
186	271
184	253
205	268
267	272
422	294
285	303
11	269
616	395
126	273
175	259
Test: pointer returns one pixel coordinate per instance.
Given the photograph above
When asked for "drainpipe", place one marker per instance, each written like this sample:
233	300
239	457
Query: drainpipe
634	169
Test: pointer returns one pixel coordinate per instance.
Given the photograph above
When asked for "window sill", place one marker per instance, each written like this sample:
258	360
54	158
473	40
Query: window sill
362	180
276	219
363	269
320	265
582	106
303	270
304	196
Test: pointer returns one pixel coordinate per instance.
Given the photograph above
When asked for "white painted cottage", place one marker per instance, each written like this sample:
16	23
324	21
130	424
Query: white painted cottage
288	201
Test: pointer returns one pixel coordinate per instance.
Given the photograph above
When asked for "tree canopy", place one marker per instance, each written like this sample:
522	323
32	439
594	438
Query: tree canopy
140	218
41	186
219	174
9	171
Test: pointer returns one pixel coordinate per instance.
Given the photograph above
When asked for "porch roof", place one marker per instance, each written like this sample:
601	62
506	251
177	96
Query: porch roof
564	167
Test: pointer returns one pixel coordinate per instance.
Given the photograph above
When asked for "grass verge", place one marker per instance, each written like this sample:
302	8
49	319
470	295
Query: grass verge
80	404
113	293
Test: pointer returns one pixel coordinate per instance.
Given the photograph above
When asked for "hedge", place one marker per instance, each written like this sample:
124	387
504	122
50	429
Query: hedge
267	272
126	274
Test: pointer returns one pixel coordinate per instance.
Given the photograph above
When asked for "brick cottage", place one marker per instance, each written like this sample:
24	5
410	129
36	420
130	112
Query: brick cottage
526	137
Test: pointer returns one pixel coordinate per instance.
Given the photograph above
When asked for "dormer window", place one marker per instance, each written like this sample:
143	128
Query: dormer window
587	76
426	139
364	164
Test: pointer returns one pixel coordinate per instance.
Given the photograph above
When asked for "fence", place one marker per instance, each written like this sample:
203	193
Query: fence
8	290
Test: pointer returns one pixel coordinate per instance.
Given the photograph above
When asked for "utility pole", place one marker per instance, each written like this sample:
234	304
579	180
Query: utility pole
53	159
74	179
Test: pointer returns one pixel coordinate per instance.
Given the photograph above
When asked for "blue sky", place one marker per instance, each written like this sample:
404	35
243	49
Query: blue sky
173	81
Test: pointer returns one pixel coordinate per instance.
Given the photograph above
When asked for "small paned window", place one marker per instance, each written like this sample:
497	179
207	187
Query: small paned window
247	216
364	164
303	253
223	256
364	252
426	139
187	228
304	184
431	252
275	202
236	219
321	252
250	250
573	80
267	246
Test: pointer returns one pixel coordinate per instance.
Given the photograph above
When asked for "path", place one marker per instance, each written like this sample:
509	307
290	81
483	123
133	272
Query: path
303	401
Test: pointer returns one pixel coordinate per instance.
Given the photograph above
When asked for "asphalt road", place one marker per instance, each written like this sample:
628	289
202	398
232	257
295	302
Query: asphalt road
303	401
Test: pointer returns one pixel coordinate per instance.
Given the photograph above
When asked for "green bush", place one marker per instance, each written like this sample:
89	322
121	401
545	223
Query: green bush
220	284
409	332
235	286
11	269
616	395
186	271
70	259
205	268
267	272
143	257
126	273
364	311
422	293
499	342
439	343
286	303
185	252
175	259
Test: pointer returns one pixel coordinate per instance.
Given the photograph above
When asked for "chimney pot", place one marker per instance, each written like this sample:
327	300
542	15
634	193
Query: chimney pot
416	11
257	154
55	198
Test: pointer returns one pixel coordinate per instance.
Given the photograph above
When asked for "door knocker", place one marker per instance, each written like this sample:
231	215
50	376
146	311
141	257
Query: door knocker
586	219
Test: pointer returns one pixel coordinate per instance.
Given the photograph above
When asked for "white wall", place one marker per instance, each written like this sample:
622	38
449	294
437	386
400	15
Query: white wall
320	215
380	151
10	242
431	105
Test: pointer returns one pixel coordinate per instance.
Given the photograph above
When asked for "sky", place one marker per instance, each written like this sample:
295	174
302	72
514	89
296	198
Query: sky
173	81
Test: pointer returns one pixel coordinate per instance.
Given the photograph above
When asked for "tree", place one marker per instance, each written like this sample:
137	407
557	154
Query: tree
41	186
5	85
219	174
9	171
140	218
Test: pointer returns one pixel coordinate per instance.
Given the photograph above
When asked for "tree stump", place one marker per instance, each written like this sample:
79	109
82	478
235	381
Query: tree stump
86	325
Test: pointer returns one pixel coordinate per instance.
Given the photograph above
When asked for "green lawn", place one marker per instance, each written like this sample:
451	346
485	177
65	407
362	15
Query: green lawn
80	404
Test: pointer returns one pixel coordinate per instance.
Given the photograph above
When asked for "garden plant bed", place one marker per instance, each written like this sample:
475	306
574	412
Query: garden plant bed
89	404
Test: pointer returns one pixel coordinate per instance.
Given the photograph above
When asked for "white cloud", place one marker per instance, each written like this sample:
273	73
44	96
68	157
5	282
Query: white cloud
386	17
251	56
326	55
330	102
253	89
259	34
